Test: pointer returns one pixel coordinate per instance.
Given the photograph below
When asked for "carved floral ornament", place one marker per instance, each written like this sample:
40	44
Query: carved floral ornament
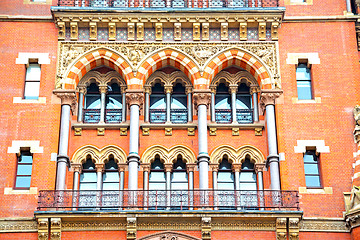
268	97
169	236
202	97
67	98
135	97
201	54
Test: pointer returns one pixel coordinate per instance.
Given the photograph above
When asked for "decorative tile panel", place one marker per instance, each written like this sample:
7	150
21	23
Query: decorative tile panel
149	34
253	34
234	34
215	34
84	34
103	34
186	34
67	34
168	34
268	34
121	34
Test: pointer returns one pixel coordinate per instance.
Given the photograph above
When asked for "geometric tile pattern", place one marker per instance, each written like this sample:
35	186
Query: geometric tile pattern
102	34
149	34
168	34
84	34
214	34
67	34
121	34
252	34
268	34
187	34
234	34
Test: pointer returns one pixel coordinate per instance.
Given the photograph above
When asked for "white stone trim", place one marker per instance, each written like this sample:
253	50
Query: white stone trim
316	100
21	100
282	156
325	190
32	144
53	157
32	190
319	144
23	58
293	58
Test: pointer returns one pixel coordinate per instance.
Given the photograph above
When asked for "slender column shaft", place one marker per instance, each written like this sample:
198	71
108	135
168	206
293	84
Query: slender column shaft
260	181
237	180
168	106
203	146
212	107
256	109
80	107
146	180
191	180
273	157
189	106
123	111
63	147
348	6
102	110
147	106
233	107
99	180
134	147
168	180
215	185
76	181
121	180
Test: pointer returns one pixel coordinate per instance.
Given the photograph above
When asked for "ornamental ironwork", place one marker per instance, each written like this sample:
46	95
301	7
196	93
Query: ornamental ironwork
95	200
91	116
157	115
223	116
179	115
113	115
244	115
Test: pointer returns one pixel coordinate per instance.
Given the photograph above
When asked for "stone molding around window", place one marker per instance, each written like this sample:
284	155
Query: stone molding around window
292	2
23	58
101	79
310	101
318	144
312	58
168	155
167	79
48	2
237	156
235	79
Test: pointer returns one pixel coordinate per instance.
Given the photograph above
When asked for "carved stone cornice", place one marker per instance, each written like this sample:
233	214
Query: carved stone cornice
268	97
7	226
352	218
68	97
135	97
356	112
201	97
323	225
93	225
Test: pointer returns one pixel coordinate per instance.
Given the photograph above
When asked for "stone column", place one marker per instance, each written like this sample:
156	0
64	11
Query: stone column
123	110
168	91
76	167
233	90
267	101
82	92
259	169
348	6
134	99
212	105
254	92
214	170
190	168
146	170
201	102
188	91
99	170
103	91
237	193
168	168
68	103
121	168
147	103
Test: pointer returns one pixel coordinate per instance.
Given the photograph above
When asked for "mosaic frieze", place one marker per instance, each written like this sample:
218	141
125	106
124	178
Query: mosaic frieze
121	34
103	34
187	34
214	34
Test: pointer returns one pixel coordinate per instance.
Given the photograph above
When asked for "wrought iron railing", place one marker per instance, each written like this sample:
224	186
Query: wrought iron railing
170	3
244	115
179	115
157	115
113	115
223	116
52	200
91	115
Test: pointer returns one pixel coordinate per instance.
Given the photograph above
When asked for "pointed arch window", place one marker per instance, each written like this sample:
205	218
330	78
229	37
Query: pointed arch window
179	108
222	104
244	109
111	179
248	176
92	104
179	178
157	185
88	176
157	104
113	104
226	185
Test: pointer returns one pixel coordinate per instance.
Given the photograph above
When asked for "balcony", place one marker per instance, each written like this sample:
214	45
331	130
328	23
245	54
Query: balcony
169	3
177	116
111	115
184	200
244	115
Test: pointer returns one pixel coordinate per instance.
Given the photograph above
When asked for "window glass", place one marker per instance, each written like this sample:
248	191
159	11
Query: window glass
247	176
157	102
32	90
225	176
222	101
312	181
302	72
33	72
113	102
23	181
243	102
178	102
24	169
311	167
303	77
92	101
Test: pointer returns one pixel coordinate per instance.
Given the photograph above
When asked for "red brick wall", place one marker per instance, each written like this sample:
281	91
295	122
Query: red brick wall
224	235
19	236
321	236
94	235
17	7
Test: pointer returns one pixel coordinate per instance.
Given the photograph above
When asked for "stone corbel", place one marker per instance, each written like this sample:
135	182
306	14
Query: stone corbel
267	97
177	31
158	31
206	228
131	31
224	31
123	131
131	228
135	97
191	131
243	31
201	97
74	31
196	31
68	97
55	229
294	228
274	31
205	32
61	30
140	31
43	228
262	31
93	31
281	231
112	31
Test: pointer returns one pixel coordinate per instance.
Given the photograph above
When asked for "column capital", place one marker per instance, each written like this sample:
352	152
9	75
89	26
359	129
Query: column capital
135	97
103	88
123	89
259	167
122	167
213	89
236	167
68	97
214	167
81	89
201	97
76	167
168	167
146	167
268	96
190	167
188	89
99	167
233	88
254	89
147	89
168	89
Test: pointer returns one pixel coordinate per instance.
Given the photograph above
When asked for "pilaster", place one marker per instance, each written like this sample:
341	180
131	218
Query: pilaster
55	229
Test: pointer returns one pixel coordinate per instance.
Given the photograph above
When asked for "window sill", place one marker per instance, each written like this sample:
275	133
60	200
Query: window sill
47	2
316	100
308	2
168	125
242	126
325	190
100	125
8	191
21	100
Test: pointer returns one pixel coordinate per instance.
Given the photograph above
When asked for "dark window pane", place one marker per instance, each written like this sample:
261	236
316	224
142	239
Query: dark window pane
179	165
247	165
24	169
111	165
312	181
92	102
89	165
179	88
243	102
113	102
23	182
157	102
157	164
179	102
222	102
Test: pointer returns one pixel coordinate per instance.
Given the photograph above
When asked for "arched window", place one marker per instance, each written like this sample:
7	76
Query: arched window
157	185
226	185
222	104
157	104
179	185
88	176
92	104
113	104
111	176
179	109
248	185
244	111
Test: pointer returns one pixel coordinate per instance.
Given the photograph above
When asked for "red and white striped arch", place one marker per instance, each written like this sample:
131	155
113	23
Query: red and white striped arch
95	59
242	59
168	57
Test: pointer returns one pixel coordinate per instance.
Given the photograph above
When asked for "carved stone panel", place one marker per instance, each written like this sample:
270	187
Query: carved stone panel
262	31
61	31
112	31
158	31
196	31
73	31
243	31
224	31
140	31
131	31
93	31
177	31
205	32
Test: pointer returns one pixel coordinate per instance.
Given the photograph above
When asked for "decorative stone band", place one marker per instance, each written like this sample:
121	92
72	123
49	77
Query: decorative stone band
201	97
68	97
135	97
267	97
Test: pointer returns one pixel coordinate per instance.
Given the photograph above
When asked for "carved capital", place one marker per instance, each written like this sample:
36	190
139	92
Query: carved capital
168	89
68	97
236	167
188	89
254	89
146	167
103	88
294	228
99	167
76	167
147	89
268	97
190	167
214	167
122	167
82	89
201	97
213	89
135	97
233	88
259	167
168	167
